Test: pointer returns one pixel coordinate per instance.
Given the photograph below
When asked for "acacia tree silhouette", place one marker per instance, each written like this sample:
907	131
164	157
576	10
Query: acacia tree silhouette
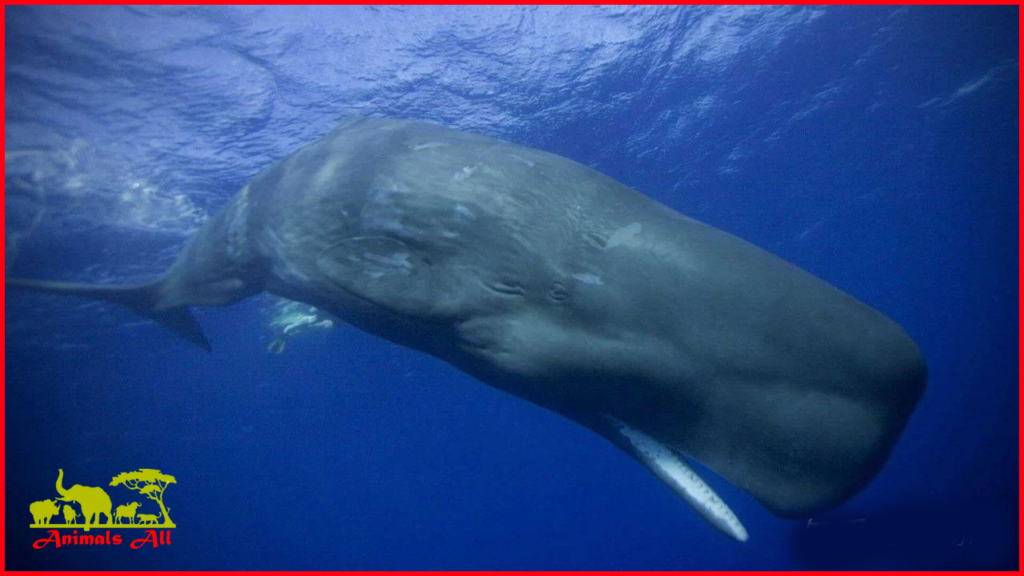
150	483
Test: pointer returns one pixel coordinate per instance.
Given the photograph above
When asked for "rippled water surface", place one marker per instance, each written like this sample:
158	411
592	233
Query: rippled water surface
874	147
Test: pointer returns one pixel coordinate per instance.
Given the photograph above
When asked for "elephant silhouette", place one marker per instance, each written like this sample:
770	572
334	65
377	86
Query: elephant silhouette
69	514
93	500
43	511
126	511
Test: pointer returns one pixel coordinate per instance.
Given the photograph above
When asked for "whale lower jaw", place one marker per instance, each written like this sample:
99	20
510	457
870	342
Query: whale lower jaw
684	481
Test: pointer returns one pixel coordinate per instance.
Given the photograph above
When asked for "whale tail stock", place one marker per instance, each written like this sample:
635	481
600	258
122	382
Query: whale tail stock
143	299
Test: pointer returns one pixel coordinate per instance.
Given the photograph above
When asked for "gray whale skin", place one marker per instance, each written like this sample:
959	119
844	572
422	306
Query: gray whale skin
555	283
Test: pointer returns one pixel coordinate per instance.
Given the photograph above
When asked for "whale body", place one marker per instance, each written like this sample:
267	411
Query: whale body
555	283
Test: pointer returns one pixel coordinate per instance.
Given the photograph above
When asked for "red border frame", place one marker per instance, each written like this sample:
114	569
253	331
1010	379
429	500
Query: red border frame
1020	24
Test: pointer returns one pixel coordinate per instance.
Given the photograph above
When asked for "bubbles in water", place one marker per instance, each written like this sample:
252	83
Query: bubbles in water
74	187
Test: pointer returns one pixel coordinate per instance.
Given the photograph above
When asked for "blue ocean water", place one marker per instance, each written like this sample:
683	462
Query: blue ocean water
875	147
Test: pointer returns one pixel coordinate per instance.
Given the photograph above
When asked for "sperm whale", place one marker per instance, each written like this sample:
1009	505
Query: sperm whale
553	282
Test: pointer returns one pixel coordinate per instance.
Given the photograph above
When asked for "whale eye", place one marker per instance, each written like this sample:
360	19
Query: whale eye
558	292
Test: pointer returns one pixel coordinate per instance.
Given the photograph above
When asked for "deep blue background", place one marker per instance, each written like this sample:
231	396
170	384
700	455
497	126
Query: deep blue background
875	147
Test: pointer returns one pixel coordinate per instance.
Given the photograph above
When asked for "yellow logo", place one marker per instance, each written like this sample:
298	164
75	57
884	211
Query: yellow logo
94	505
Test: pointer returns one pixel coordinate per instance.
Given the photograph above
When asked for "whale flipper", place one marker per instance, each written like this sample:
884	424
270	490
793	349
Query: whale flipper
684	481
143	299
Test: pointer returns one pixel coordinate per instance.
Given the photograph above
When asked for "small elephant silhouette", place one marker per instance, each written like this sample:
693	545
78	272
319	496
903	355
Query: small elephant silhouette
43	511
69	515
126	511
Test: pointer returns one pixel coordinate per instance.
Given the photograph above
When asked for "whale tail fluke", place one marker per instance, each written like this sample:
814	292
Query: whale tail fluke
143	299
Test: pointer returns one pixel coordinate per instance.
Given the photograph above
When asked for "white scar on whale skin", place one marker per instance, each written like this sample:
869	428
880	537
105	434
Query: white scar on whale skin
588	278
675	472
625	236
